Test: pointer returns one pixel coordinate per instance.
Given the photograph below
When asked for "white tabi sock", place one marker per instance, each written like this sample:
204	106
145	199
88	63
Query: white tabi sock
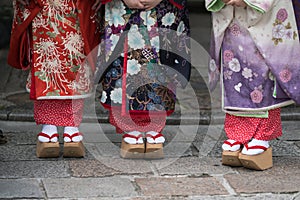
70	130
48	130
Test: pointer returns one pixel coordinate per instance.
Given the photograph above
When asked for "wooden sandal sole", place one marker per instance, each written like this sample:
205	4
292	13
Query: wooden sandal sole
73	150
261	161
133	151
47	149
231	158
154	151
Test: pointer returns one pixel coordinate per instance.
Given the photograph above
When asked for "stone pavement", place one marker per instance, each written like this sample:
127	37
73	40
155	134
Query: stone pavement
191	168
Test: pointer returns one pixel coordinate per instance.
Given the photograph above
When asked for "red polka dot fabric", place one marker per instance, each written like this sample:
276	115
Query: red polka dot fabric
142	123
243	129
59	112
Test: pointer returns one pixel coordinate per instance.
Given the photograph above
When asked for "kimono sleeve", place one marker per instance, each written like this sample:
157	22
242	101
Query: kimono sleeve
214	5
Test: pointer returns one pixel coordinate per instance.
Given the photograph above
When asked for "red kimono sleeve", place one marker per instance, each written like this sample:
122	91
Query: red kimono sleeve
89	31
19	47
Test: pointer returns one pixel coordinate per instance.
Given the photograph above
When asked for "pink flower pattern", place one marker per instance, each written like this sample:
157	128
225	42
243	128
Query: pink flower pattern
235	30
228	56
282	15
285	75
256	96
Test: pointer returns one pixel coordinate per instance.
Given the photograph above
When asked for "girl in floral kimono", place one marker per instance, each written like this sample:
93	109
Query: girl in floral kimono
145	56
52	39
255	51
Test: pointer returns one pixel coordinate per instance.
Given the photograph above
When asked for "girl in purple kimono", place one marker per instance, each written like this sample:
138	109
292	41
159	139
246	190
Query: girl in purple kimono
144	55
255	51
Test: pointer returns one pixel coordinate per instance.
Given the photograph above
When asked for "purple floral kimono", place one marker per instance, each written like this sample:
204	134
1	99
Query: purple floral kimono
256	53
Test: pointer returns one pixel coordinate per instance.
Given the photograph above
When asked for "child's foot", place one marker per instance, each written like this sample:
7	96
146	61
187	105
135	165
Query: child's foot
132	145
48	134
154	145
155	137
133	137
73	146
231	145
72	134
47	145
255	147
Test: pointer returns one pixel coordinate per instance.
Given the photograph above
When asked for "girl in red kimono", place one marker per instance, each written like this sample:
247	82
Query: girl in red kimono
152	37
52	39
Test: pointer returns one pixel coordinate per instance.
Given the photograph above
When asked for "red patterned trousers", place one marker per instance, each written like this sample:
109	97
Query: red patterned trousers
59	112
243	129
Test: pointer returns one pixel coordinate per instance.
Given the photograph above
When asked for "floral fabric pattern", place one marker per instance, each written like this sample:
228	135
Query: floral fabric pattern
58	71
136	79
255	51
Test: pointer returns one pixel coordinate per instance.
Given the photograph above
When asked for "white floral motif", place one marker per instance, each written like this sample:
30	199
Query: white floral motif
103	97
180	28
73	43
234	65
279	31
116	95
168	19
212	65
114	12
133	67
148	20
135	39
155	42
114	40
247	73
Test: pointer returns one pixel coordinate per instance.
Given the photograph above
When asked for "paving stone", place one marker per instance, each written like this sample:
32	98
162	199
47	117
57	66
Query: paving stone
19	127
284	177
89	187
290	130
209	143
284	148
128	166
90	168
34	169
111	150
247	197
193	166
21	138
17	153
20	188
181	186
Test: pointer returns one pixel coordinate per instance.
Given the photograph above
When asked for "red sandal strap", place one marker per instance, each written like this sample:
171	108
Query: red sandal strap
73	135
133	136
232	144
154	137
256	147
47	136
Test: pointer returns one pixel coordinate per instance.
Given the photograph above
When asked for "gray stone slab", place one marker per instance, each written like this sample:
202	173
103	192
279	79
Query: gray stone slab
127	166
284	148
89	187
21	138
284	177
20	188
19	127
90	168
192	166
110	150
177	149
291	130
247	197
179	186
17	153
34	169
